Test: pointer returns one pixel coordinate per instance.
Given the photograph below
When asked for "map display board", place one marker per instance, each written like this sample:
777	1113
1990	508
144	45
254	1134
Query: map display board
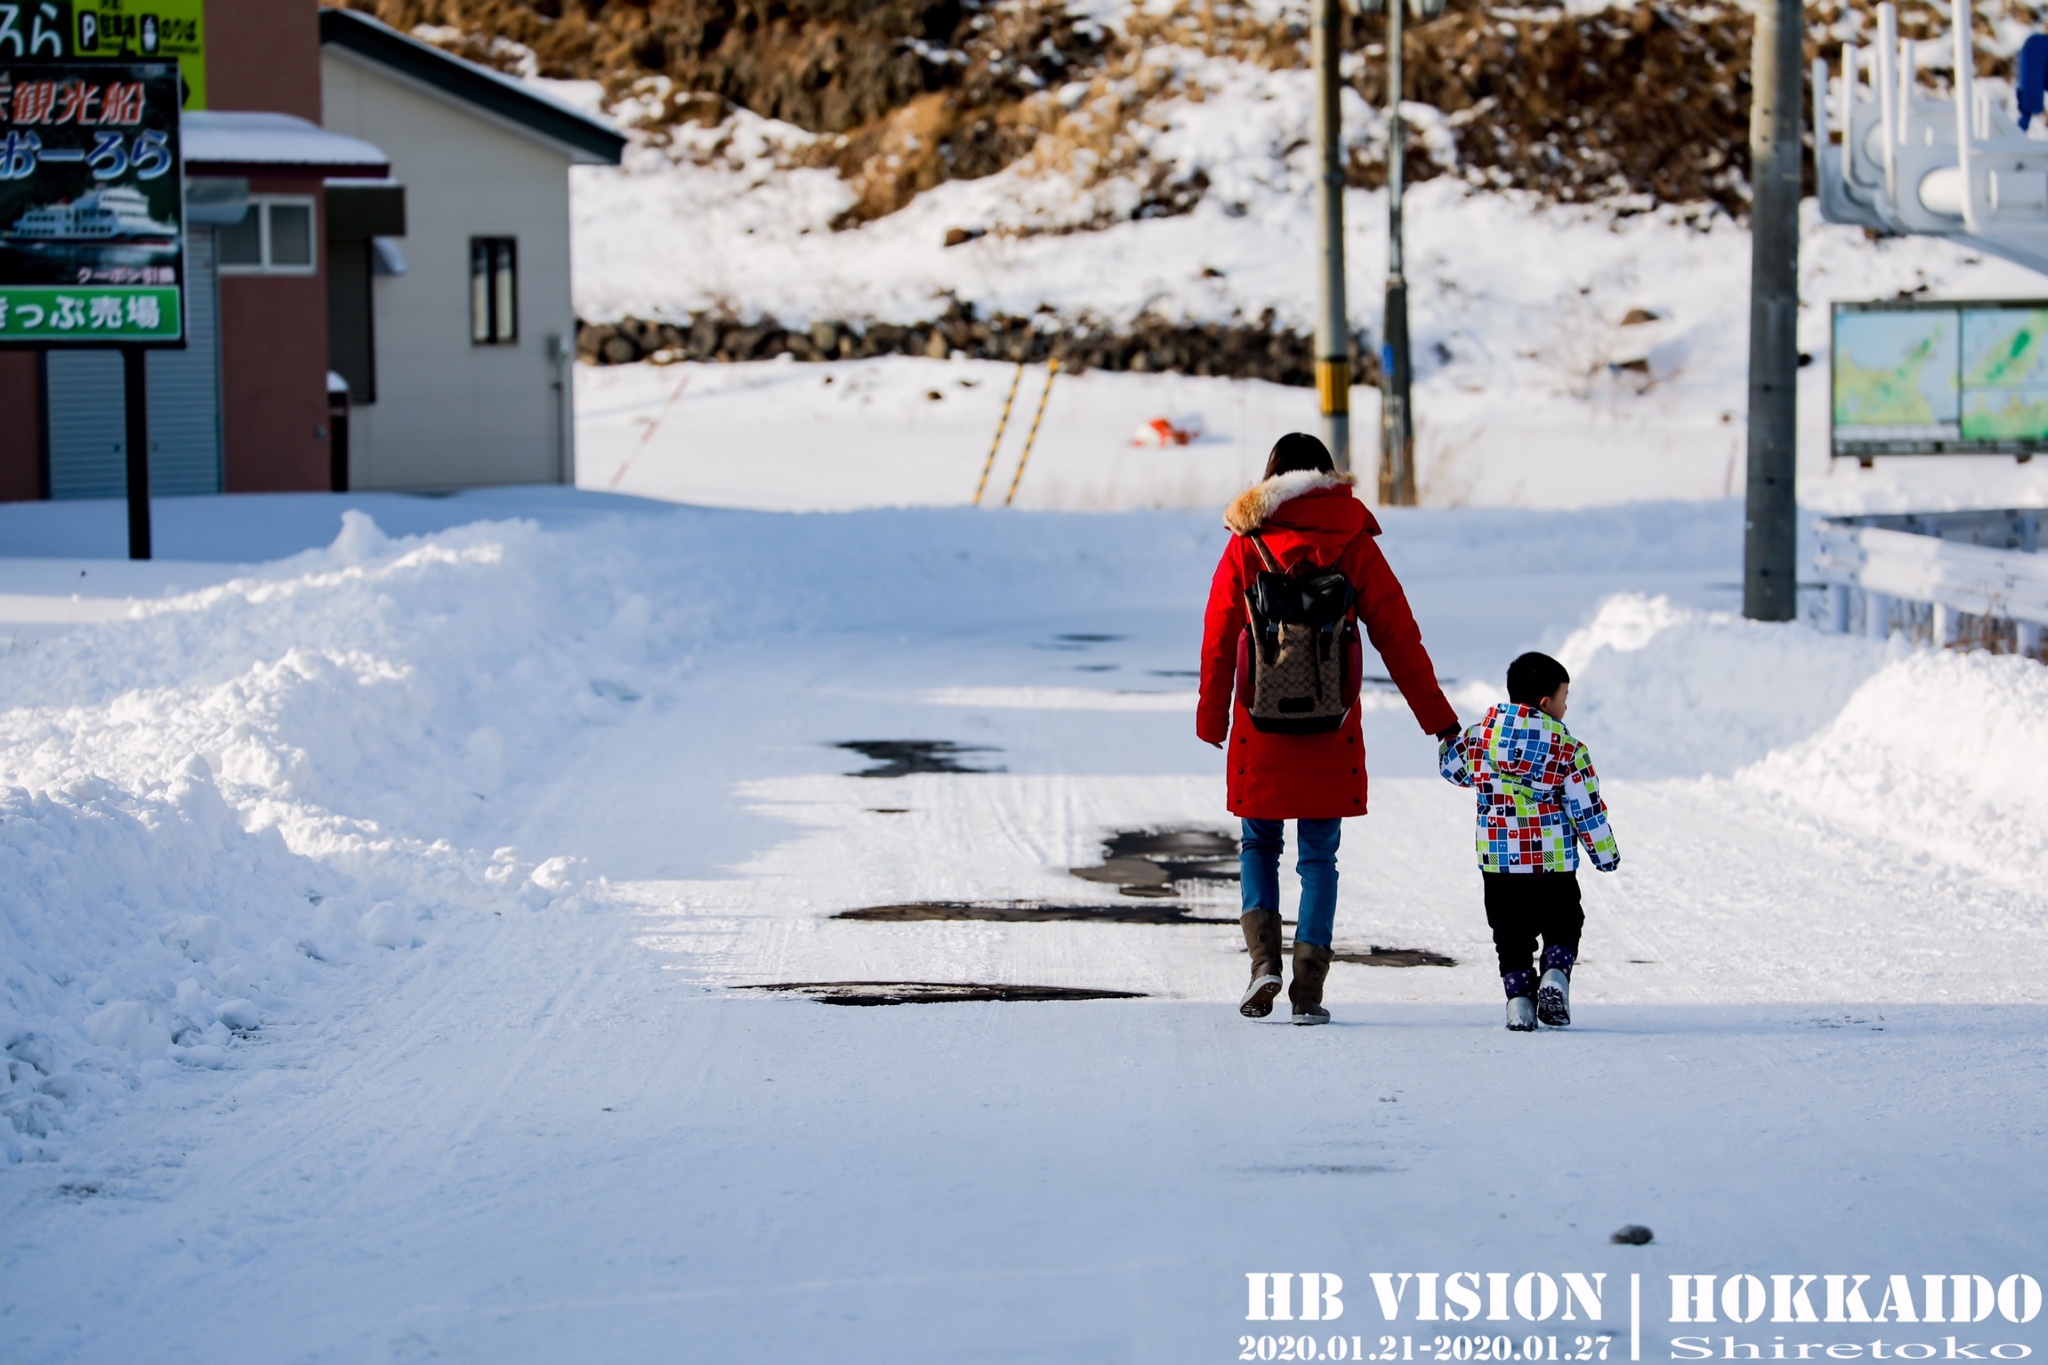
1950	378
91	205
93	30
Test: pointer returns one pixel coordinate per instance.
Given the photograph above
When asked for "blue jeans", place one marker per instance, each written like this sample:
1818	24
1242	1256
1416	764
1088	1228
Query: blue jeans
1316	861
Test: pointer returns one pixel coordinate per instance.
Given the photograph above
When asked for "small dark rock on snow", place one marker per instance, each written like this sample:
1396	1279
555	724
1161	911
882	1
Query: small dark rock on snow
1634	1235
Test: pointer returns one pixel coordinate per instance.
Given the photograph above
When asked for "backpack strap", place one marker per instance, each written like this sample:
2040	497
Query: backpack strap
1258	541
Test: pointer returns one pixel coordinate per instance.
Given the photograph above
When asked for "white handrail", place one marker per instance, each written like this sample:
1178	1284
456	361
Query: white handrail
1964	47
1888	94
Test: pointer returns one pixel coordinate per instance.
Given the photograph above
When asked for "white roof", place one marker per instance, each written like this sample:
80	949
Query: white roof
238	142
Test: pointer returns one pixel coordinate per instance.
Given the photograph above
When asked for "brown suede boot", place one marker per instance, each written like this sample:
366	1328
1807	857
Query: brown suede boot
1262	941
1311	966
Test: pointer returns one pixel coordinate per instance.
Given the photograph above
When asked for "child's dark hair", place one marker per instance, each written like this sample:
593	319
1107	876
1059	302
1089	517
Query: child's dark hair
1533	676
1299	450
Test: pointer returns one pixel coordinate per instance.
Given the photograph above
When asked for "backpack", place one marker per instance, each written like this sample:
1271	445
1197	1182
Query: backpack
1299	661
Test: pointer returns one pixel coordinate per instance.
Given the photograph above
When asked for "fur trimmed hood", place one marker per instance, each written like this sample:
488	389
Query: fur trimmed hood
1254	507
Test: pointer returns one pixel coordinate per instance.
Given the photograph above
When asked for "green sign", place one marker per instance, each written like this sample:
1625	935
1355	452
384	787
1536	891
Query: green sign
92	235
93	30
54	313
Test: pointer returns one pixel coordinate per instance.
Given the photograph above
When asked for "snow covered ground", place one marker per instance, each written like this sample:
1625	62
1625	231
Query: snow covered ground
1532	387
383	879
373	916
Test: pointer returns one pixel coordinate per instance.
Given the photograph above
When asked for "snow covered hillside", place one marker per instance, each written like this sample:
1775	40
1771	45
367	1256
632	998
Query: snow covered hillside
1563	355
381	929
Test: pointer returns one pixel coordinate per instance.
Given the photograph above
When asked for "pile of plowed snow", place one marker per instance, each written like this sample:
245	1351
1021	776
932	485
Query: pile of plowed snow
1664	691
1933	752
1939	753
205	807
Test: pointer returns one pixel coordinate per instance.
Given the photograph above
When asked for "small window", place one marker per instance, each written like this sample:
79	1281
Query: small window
275	237
493	291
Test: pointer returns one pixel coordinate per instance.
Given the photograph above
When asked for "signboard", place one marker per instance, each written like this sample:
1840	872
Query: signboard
1928	378
91	205
133	30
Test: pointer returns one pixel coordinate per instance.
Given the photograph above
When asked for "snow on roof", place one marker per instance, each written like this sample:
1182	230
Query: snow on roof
236	142
590	141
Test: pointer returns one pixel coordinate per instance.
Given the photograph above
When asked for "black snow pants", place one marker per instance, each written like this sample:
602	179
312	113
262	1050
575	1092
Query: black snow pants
1522	905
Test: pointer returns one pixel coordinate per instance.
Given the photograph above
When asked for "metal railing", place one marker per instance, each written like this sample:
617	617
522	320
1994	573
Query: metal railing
1972	577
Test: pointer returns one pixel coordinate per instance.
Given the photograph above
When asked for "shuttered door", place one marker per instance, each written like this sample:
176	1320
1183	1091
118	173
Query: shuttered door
88	453
88	419
184	386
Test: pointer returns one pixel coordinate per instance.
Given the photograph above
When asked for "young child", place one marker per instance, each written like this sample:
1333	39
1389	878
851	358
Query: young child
1538	800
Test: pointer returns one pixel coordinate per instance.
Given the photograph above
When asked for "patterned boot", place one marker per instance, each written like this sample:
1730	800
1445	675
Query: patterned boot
1521	989
1262	941
1311	968
1554	993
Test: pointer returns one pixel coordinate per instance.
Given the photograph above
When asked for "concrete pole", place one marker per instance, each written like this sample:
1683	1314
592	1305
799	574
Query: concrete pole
1770	587
1397	421
1333	325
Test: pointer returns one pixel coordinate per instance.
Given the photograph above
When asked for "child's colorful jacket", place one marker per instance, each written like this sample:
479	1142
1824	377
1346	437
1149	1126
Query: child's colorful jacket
1538	797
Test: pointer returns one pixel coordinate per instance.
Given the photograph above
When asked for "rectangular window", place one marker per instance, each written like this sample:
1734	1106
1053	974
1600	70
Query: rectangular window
493	291
275	237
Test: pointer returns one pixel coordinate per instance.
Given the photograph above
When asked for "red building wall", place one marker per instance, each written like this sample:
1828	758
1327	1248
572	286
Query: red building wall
265	55
261	55
21	427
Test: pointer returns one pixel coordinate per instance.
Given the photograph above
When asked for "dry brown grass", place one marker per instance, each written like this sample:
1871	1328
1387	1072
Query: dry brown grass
1631	107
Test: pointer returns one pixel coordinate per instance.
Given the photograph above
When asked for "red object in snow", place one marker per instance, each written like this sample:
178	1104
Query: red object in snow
1310	777
1161	432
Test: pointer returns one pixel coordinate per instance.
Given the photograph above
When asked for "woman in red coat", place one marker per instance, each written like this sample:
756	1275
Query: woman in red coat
1305	515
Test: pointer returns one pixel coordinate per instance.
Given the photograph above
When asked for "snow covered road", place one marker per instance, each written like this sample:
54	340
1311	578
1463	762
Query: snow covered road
485	827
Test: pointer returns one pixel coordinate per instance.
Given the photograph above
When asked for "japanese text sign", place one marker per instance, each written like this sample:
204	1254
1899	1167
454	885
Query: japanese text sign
135	30
91	209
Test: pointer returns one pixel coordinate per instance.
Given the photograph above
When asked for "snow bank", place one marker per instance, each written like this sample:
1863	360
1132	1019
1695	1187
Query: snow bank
1662	691
138	929
205	806
202	804
1939	753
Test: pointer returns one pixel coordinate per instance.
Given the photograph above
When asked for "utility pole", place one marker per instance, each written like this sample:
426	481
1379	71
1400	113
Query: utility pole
1770	587
1397	422
1333	325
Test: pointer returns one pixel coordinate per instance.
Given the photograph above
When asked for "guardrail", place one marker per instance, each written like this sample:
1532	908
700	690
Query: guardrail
1965	577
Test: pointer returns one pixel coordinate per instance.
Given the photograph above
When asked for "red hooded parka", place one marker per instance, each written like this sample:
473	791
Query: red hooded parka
1307	516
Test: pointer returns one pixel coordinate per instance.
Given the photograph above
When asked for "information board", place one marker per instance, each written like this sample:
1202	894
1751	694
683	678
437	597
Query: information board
1940	378
89	30
91	205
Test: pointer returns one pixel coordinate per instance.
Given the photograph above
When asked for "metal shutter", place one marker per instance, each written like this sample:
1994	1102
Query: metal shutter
184	386
88	455
87	416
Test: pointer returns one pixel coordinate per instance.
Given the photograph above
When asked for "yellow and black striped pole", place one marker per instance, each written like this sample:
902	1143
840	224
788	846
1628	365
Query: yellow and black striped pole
1052	369
996	444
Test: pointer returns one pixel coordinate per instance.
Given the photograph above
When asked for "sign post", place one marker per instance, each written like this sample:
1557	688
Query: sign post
92	250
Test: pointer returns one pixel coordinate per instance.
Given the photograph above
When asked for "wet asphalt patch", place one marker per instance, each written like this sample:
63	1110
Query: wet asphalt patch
1154	863
1029	912
905	757
1077	640
931	992
1376	956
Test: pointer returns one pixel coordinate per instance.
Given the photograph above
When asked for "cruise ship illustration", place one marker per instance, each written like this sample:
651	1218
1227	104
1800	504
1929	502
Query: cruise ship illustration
112	213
